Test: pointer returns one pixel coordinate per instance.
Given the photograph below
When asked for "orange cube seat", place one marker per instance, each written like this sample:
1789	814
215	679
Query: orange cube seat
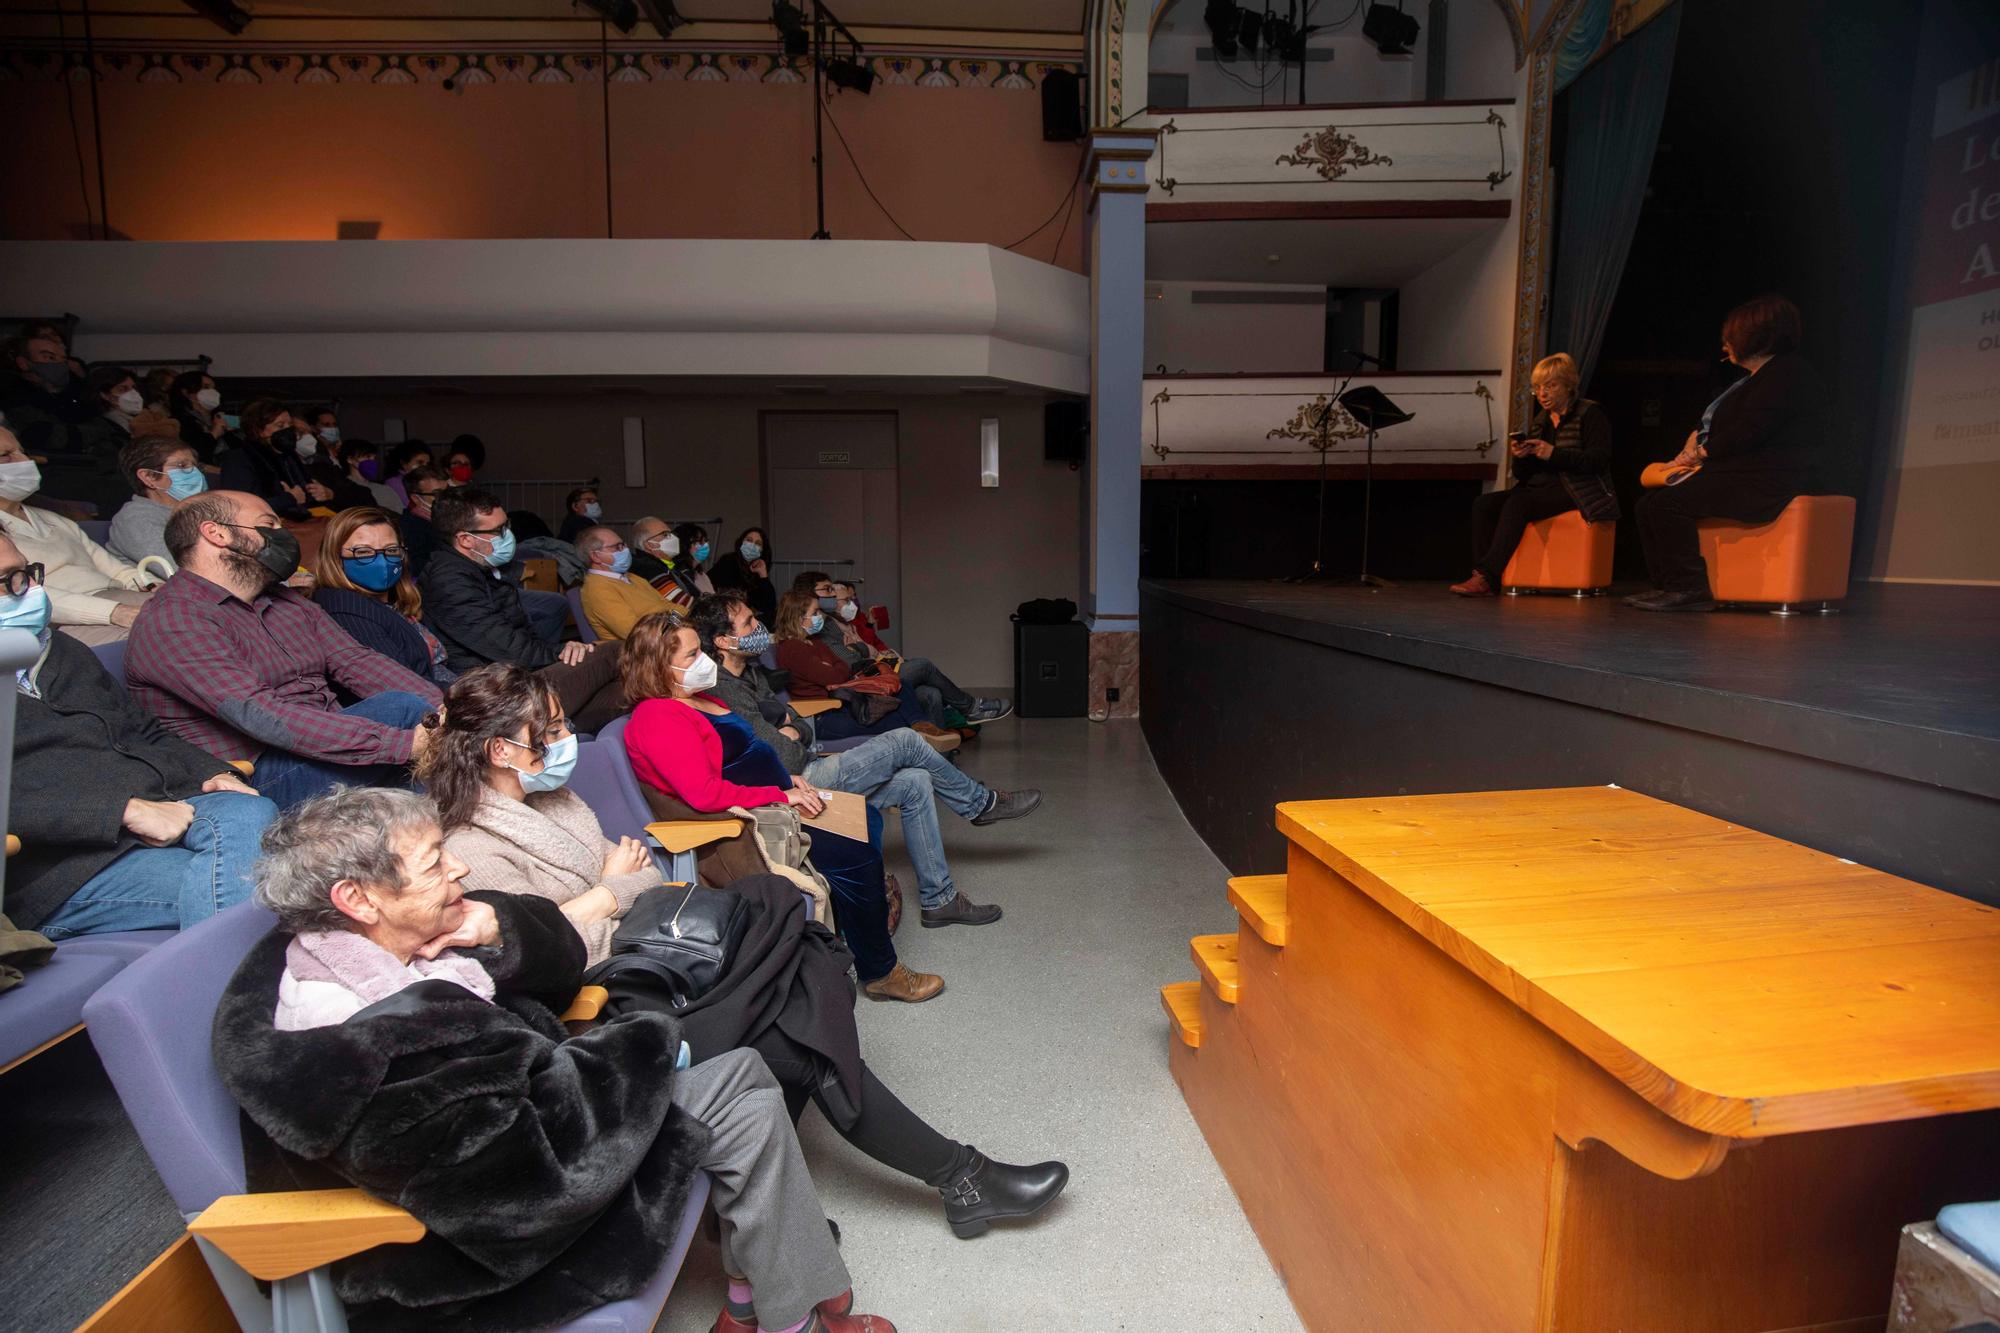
1800	556
1562	554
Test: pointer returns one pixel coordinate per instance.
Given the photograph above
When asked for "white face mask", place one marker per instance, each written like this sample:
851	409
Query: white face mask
130	403
849	610
306	446
701	676
208	399
666	545
19	480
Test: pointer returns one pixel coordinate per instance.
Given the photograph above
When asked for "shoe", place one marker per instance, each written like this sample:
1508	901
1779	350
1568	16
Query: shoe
1474	586
968	733
895	896
961	911
1008	805
822	1322
1696	600
992	1191
1650	595
988	710
905	985
944	742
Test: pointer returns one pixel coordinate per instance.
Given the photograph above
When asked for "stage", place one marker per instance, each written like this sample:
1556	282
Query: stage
1873	734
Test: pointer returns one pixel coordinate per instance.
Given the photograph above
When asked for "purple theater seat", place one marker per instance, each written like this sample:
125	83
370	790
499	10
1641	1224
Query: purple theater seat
583	629
97	529
604	779
50	999
131	945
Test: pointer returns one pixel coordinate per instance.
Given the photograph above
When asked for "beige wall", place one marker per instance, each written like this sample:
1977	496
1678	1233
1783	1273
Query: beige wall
969	554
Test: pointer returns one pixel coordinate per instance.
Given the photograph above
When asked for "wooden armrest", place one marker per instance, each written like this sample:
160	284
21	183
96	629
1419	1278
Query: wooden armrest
814	707
273	1236
242	766
684	835
588	1004
13	844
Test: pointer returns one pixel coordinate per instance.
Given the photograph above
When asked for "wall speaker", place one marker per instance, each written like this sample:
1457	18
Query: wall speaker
1065	430
1062	106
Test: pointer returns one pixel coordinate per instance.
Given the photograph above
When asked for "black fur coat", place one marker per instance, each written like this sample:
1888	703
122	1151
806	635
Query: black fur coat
551	1170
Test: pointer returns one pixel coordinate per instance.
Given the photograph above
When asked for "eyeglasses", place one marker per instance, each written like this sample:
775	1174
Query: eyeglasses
20	580
556	730
488	532
370	552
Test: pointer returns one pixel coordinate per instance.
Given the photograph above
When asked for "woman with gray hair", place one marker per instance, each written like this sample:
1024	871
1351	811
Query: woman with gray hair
402	1035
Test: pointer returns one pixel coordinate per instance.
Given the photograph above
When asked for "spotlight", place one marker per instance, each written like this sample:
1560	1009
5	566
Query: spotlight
1250	28
852	75
1283	40
1391	30
790	22
1224	21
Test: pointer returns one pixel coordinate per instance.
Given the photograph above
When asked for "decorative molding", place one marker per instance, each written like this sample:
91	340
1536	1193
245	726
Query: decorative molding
1332	154
1319	423
1216	419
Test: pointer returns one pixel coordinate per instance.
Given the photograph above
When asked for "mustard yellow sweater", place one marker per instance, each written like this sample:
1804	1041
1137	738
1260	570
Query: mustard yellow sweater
613	605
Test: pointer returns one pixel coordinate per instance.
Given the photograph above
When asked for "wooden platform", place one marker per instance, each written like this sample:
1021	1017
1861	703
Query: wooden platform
1577	1059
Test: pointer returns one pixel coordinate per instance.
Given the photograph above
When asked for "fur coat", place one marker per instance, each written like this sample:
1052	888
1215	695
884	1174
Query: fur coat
551	1170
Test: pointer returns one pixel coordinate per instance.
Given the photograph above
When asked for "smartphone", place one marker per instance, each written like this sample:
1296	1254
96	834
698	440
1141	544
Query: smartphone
232	422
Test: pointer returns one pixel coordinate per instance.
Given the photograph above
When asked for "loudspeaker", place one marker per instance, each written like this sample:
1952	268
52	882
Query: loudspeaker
1062	106
1051	670
1065	430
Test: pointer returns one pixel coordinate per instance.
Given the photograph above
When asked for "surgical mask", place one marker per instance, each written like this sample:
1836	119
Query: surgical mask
378	573
331	434
754	644
20	480
621	560
29	611
558	762
460	472
130	403
750	551
370	469
502	553
849	610
817	623
829	604
666	545
702	675
55	374
593	511
208	400
279	554
700	552
185	481
306	447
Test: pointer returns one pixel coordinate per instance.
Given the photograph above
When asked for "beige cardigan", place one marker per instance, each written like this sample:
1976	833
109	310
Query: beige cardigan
551	846
77	567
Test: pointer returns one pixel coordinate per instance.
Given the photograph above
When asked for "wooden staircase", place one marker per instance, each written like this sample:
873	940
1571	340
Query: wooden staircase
1260	904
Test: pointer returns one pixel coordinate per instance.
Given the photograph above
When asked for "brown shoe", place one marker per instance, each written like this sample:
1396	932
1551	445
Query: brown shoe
895	896
944	742
1475	586
905	985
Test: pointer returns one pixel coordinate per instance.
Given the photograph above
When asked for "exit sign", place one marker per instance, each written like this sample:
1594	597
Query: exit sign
835	457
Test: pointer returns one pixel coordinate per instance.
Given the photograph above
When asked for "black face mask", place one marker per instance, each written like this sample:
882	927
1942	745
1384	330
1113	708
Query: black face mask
279	554
285	441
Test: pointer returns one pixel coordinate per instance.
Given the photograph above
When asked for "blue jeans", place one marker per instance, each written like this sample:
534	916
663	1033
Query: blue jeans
289	778
172	888
548	613
898	769
934	690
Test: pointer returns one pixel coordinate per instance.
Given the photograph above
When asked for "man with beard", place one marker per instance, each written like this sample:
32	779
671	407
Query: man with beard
235	662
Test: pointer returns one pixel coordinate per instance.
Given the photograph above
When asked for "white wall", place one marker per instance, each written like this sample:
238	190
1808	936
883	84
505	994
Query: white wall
1216	337
1479	52
1458	313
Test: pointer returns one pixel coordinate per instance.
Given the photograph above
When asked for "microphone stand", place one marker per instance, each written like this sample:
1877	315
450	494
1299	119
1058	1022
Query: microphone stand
1324	426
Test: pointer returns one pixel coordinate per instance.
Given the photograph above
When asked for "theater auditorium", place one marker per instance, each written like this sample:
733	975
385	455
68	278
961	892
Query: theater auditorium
985	666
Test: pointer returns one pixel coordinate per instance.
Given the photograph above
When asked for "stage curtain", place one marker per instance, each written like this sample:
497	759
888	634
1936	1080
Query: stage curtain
1614	113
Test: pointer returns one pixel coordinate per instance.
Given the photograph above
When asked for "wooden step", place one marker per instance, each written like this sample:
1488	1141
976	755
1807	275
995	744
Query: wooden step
1182	1001
1261	900
1215	955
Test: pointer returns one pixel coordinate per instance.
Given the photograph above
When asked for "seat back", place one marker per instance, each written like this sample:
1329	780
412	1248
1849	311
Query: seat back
604	779
113	656
150	1025
97	529
583	629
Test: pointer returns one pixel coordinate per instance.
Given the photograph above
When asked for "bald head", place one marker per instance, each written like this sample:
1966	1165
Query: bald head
653	536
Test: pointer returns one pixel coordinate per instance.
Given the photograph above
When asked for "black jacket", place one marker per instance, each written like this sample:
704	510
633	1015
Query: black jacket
377	625
476	612
550	1170
196	436
80	752
733	571
419	540
751	698
1581	463
1772	430
265	472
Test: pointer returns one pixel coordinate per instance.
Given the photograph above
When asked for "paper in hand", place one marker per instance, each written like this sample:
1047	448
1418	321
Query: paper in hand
846	815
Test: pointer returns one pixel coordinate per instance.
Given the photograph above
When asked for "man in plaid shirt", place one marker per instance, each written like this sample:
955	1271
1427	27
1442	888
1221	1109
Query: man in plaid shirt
232	660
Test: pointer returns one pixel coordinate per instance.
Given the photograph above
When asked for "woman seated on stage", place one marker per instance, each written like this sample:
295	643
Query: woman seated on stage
1754	450
497	770
1563	464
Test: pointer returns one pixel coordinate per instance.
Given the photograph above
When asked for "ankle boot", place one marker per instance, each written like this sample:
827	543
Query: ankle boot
990	1191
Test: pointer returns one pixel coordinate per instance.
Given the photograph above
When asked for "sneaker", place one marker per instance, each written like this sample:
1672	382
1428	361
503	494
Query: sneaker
1008	805
988	710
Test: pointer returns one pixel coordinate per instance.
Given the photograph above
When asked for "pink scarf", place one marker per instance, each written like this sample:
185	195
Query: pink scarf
331	975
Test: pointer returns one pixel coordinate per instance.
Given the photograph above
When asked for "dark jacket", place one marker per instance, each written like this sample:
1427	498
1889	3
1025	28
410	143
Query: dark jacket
419	540
733	571
377	625
476	611
1772	430
817	670
347	494
265	472
550	1170
751	698
1581	463
80	752
196	436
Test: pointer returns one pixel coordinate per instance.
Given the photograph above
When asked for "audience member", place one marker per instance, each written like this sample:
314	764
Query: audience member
363	461
163	472
324	423
654	550
362	579
498	772
581	509
425	485
871	700
156	388
691	568
472	601
268	465
197	404
234	661
407	458
843	631
467	456
323	464
36	394
111	394
549	1170
731	633
1564	463
614	600
95	595
123	825
747	569
1756	450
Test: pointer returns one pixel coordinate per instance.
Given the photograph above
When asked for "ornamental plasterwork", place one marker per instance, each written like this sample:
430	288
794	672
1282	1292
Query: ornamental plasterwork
1319	423
1333	154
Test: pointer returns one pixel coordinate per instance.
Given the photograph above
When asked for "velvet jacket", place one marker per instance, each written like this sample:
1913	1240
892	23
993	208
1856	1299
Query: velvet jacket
550	1170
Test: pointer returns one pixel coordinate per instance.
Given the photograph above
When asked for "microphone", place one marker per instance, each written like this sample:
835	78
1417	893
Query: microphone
1374	361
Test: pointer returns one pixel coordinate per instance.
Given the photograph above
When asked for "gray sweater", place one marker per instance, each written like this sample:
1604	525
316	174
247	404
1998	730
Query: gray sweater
139	529
742	694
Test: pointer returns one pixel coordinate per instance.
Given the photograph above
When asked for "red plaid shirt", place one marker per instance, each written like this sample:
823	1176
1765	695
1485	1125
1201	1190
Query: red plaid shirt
238	678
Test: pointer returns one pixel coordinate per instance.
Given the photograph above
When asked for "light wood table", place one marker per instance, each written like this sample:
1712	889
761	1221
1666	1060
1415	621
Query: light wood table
1583	1060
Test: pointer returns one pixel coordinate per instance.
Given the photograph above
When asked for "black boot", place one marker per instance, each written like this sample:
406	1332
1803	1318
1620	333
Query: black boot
990	1191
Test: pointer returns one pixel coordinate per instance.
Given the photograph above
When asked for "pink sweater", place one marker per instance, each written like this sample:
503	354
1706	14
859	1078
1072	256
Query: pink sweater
674	749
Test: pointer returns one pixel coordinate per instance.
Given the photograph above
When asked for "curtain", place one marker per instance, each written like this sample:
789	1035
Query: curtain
1614	114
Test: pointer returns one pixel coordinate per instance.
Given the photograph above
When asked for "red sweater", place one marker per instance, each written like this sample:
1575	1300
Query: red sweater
815	667
674	749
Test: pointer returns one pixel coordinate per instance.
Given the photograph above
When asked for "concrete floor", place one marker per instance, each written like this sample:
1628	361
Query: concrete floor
1048	1042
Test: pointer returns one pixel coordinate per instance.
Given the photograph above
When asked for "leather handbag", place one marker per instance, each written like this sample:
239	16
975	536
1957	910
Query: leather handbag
682	935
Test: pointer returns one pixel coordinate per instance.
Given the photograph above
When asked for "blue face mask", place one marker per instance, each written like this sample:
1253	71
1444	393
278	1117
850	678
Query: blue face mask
750	551
558	762
502	553
378	573
817	623
185	481
29	611
829	603
593	511
700	552
755	643
622	561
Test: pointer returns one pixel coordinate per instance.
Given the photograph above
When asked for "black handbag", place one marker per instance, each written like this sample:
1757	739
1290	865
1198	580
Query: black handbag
682	936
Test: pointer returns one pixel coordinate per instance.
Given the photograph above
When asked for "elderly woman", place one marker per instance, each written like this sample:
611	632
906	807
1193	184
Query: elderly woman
95	595
550	1170
163	472
497	771
1564	463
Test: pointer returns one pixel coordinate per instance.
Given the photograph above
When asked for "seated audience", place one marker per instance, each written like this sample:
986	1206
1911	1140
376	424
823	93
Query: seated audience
363	461
747	569
197	405
95	594
549	1170
691	567
472	602
851	639
407	458
163	472
36	395
268	464
893	770
324	423
581	509
425	485
873	701
324	465
1563	464
123	825
467	456
614	599
1757	449
497	773
234	661
111	394
362	579
654	551
156	387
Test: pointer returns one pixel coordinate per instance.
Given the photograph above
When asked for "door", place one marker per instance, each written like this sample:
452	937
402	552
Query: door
830	483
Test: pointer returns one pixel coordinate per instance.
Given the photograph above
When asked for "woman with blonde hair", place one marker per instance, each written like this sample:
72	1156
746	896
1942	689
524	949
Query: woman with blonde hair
1562	462
364	583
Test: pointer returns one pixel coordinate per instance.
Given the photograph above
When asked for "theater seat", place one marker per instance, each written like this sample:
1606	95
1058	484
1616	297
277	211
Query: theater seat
47	1005
1796	562
1562	554
584	631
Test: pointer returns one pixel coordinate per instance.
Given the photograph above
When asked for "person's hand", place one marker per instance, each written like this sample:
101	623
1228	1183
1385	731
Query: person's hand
217	427
574	652
298	496
303	577
157	823
791	731
628	857
806	797
479	929
319	491
760	568
1542	449
586	909
228	782
123	615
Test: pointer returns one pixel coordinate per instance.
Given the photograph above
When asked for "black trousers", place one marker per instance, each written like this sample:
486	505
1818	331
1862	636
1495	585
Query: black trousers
1499	519
1668	517
592	697
886	1130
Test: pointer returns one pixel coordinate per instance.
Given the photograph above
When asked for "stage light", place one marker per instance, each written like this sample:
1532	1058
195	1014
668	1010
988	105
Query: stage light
1284	41
1391	30
620	14
224	15
1224	21
790	22
850	74
1249	30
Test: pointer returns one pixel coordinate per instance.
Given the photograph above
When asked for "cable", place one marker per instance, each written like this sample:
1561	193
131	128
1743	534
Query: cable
1055	255
827	103
1069	195
96	128
75	131
604	74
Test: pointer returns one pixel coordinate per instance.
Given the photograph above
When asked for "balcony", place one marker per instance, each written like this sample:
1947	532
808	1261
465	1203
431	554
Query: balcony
1272	427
